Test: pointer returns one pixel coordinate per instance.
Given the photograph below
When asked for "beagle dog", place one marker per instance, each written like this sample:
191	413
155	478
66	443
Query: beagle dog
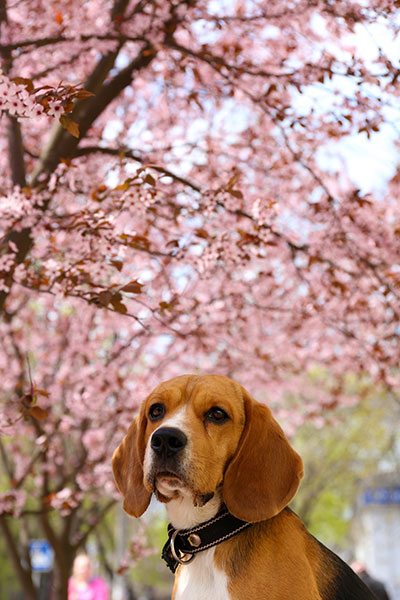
226	472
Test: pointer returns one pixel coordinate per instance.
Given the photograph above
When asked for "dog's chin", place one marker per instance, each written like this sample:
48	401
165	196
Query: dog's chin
168	485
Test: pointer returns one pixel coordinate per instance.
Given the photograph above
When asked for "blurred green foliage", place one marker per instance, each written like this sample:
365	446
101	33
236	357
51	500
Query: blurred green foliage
356	441
9	587
151	569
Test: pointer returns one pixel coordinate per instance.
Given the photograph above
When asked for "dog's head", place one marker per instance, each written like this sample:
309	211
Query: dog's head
196	435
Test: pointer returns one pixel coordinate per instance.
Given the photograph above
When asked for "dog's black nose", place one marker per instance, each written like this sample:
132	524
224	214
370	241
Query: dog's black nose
168	441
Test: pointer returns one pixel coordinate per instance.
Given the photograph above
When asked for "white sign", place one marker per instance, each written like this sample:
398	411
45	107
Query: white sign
42	556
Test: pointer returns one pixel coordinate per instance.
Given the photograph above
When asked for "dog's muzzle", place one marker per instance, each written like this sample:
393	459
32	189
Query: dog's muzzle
167	443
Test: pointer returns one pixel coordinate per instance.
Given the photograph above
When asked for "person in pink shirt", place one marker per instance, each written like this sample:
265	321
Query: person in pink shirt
82	585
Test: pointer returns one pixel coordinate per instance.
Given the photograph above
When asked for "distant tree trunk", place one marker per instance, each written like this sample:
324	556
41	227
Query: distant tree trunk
61	574
24	576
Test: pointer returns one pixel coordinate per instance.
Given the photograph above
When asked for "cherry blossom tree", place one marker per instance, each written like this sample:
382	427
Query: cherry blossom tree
165	208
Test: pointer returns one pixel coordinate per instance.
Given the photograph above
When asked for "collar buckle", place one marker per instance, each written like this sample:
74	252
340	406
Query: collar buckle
183	558
183	544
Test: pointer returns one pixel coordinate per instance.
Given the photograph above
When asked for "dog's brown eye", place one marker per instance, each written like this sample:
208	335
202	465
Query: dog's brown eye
156	411
216	415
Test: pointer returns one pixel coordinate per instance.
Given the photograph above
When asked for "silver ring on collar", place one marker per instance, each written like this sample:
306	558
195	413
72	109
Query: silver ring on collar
182	557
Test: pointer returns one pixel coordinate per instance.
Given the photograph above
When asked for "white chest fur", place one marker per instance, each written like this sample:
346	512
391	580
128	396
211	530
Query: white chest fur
201	580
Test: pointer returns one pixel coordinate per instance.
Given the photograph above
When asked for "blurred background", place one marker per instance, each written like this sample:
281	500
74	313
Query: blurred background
194	186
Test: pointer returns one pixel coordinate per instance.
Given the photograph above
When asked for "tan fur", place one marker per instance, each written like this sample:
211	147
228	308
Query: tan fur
266	561
265	473
127	465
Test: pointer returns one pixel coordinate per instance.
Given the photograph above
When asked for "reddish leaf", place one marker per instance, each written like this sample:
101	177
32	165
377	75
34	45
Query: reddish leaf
26	82
150	180
166	306
118	305
124	186
70	125
47	499
202	233
68	106
232	181
83	94
38	413
28	398
104	298
133	287
235	193
117	263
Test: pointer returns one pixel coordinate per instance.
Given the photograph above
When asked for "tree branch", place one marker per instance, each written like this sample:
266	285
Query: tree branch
39	43
217	62
130	154
100	515
24	576
62	144
15	146
16	152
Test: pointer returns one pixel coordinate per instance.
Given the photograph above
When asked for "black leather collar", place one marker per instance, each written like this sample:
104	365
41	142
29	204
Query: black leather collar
184	544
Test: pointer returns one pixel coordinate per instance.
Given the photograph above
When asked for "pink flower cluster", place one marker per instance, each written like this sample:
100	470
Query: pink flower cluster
184	222
16	100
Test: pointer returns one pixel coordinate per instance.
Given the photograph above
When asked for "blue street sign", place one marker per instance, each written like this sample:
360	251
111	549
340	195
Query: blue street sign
42	555
382	495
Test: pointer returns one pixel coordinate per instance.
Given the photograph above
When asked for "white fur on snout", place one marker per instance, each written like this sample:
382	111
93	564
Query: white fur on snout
178	420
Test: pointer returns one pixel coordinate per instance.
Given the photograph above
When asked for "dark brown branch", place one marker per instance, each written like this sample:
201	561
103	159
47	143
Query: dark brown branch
68	61
16	159
217	62
130	154
6	463
61	39
51	535
28	469
100	515
16	152
117	10
3	11
91	301
15	146
62	144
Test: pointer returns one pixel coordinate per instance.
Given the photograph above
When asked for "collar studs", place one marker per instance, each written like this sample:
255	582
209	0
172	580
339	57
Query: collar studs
194	540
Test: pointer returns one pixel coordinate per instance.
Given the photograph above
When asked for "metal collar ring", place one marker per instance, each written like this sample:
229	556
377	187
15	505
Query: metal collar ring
181	557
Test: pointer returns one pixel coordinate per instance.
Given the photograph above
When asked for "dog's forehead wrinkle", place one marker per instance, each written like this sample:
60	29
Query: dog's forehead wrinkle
184	388
171	396
214	388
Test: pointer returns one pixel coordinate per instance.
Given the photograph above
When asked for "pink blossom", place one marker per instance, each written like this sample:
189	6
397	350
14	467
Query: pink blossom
186	225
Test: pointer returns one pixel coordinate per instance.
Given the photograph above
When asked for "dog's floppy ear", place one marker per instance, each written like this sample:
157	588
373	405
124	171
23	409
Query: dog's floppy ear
127	464
265	472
